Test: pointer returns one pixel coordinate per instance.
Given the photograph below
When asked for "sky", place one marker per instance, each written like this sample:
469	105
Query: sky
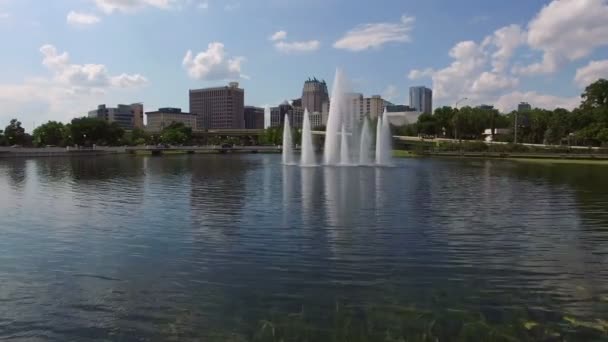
61	58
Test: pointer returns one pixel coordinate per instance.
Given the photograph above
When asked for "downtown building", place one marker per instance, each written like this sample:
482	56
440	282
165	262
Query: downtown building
164	117
254	117
421	98
219	107
372	107
127	117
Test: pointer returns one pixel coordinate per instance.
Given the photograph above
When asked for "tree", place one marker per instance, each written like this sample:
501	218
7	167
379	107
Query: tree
50	133
444	118
176	133
14	133
427	124
596	94
88	131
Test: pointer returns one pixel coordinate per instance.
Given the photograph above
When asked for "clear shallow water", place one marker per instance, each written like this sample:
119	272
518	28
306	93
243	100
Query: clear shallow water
183	247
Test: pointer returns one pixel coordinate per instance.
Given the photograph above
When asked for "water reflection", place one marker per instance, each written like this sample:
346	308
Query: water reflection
156	248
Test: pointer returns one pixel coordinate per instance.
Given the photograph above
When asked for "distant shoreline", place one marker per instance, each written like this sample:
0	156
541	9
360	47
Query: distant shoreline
564	158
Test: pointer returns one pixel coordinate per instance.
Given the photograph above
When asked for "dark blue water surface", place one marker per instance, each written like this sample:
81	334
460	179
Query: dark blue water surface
184	247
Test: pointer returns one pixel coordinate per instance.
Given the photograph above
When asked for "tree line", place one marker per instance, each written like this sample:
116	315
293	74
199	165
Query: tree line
585	125
88	132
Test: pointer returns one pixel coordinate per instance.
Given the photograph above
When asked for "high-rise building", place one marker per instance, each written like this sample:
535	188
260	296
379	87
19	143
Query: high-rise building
138	115
314	95
254	117
123	115
421	98
295	114
524	107
219	107
164	117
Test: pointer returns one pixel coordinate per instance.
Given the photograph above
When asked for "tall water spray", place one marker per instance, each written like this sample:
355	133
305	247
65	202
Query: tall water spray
287	143
266	117
384	142
378	140
308	153
365	145
344	150
331	153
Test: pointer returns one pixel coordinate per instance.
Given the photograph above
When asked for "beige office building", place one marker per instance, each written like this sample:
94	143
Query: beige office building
370	106
164	117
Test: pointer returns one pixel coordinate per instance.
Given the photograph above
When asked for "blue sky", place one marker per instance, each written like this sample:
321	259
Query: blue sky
63	57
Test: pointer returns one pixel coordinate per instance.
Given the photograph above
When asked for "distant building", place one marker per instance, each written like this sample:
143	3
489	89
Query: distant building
254	117
123	115
316	120
295	114
486	107
421	98
164	117
314	95
138	115
399	109
524	107
367	106
277	114
219	107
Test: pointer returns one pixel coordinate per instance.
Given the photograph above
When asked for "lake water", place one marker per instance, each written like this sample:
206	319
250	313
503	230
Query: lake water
230	247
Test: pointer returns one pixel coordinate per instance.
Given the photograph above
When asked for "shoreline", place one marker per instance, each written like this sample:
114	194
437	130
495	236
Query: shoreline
552	158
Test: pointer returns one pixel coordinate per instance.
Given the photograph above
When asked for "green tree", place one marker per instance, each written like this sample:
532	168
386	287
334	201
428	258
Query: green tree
50	133
444	117
596	94
176	133
14	133
427	124
88	131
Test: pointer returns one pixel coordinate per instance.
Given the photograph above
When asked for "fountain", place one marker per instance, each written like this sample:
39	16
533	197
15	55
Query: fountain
346	142
308	152
365	144
383	141
287	143
344	151
338	105
266	117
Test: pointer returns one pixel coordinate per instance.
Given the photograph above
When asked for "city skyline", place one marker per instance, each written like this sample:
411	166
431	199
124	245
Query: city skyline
500	54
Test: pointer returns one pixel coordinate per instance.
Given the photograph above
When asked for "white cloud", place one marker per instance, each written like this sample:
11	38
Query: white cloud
125	6
279	35
4	15
457	79
128	81
71	90
506	40
375	35
489	82
298	47
390	93
283	46
508	102
213	64
232	6
79	18
204	5
591	73
566	30
418	74
82	77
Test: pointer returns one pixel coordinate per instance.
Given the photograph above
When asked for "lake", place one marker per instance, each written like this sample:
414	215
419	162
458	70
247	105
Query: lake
239	247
